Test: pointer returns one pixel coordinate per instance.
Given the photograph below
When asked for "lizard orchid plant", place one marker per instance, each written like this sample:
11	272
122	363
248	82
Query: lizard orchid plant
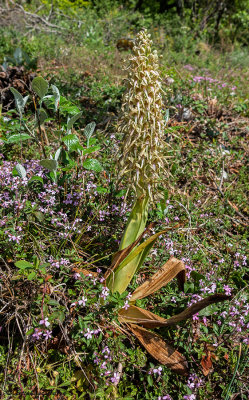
142	165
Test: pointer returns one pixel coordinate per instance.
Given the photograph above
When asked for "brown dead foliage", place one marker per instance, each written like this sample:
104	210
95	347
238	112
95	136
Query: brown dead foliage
160	350
17	78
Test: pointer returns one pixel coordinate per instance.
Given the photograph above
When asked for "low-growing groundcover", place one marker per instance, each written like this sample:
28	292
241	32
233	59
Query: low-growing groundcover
61	221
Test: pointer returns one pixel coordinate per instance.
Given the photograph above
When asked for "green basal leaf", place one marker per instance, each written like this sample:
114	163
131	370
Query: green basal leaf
42	115
136	222
88	131
126	270
57	97
51	165
32	275
36	178
18	100
18	138
21	171
72	143
40	86
92	165
135	226
72	120
90	150
22	264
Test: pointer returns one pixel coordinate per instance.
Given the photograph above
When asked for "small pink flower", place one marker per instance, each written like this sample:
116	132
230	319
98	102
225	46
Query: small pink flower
44	322
47	335
195	317
88	334
227	289
115	378
82	301
126	305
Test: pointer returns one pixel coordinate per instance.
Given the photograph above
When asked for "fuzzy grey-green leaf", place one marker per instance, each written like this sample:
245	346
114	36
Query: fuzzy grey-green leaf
40	86
93	165
51	165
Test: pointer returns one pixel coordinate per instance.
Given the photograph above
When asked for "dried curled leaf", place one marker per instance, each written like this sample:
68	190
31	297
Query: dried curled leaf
170	270
136	315
206	363
146	318
160	350
195	308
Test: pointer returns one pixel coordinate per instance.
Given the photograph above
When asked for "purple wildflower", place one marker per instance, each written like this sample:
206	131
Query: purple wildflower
47	335
82	301
88	334
44	322
36	335
115	378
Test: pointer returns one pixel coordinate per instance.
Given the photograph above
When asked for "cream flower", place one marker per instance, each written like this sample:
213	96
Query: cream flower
142	123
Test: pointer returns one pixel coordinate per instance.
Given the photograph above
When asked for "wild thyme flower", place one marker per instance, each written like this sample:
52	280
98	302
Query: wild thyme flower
82	301
88	334
47	335
44	322
115	378
36	335
142	123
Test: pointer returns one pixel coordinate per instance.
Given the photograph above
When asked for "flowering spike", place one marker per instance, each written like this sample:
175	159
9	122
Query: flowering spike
142	123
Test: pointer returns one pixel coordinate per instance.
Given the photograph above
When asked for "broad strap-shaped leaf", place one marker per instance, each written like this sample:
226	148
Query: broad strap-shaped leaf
136	222
160	350
134	228
170	270
122	254
146	318
141	247
194	309
126	270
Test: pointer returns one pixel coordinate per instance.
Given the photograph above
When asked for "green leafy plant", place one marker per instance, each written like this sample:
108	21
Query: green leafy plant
142	160
20	58
69	144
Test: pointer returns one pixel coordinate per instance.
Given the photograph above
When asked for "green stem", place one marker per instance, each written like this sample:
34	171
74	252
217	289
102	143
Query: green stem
234	374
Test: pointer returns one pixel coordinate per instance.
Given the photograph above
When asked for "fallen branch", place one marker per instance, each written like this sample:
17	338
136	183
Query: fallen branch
36	17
